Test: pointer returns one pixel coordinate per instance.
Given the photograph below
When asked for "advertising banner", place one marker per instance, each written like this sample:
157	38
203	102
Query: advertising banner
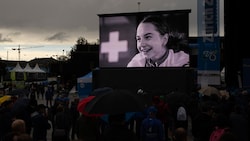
208	43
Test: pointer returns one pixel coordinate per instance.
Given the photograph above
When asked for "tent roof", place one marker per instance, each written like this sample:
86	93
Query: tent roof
38	69
28	68
17	68
85	79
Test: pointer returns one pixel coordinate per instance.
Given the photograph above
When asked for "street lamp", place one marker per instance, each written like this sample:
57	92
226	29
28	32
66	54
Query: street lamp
138	3
18	49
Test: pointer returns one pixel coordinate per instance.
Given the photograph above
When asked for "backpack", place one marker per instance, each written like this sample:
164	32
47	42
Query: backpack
217	133
181	114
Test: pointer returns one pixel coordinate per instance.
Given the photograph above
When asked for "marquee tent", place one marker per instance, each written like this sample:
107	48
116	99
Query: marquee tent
84	85
27	73
17	68
38	69
17	73
27	68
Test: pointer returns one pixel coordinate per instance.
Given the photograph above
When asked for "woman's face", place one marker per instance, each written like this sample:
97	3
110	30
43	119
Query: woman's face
149	41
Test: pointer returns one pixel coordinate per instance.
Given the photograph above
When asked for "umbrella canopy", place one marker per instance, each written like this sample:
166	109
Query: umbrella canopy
209	90
116	102
128	116
101	90
82	104
19	92
4	98
20	105
175	98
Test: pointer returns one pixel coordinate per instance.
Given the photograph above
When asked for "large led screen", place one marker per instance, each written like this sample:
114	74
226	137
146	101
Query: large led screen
144	39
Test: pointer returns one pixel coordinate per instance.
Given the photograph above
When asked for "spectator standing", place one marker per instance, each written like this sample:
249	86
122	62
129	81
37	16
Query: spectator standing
202	125
62	124
6	118
181	119
87	128
40	123
239	123
75	115
118	130
164	113
49	96
151	127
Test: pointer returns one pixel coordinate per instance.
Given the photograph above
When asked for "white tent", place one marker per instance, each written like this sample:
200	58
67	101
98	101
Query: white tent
38	69
28	68
17	73
17	68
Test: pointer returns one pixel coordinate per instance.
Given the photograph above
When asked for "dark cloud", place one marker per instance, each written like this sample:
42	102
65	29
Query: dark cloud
60	36
4	39
76	16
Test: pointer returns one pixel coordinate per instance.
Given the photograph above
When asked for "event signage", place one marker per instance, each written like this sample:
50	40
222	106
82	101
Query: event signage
208	43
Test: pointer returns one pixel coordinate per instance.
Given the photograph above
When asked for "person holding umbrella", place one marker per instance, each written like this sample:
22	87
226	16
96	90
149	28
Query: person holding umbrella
118	130
87	127
117	103
6	118
151	127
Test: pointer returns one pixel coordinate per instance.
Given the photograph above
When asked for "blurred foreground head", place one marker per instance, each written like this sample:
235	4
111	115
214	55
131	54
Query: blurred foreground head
18	125
180	134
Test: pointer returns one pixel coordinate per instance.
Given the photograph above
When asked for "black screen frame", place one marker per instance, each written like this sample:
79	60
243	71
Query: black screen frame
160	80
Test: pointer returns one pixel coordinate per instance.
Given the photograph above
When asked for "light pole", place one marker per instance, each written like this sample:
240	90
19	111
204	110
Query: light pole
18	49
7	55
138	3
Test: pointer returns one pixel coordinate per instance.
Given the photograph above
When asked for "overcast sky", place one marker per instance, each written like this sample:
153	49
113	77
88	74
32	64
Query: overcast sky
51	27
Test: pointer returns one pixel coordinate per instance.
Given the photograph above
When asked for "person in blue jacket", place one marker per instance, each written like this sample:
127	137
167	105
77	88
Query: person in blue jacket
151	127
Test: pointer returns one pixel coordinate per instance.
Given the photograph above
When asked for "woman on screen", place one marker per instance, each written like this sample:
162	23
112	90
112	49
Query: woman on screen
158	46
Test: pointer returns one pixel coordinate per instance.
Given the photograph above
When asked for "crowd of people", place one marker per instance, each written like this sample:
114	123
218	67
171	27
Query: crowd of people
194	120
25	105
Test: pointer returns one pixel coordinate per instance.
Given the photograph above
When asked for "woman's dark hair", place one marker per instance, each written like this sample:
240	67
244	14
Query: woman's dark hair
159	22
177	41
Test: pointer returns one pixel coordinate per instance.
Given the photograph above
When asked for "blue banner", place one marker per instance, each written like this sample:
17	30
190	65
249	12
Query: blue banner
208	43
209	55
208	35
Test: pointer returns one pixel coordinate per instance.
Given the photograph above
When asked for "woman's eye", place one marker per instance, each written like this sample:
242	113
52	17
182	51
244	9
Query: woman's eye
148	37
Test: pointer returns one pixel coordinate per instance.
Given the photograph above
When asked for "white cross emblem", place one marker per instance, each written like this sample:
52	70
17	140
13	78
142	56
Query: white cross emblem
114	46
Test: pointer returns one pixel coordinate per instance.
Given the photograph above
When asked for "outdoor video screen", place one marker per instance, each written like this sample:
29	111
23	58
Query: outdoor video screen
144	39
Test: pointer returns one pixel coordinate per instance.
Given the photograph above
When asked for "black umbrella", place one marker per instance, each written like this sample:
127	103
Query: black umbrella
20	105
177	98
101	90
116	102
19	92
